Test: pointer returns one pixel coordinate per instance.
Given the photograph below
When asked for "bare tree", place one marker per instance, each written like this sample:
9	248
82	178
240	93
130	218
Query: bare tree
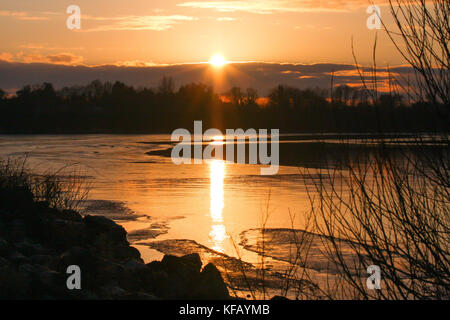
392	209
422	36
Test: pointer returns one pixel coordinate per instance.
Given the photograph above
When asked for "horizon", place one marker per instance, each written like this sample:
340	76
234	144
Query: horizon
261	76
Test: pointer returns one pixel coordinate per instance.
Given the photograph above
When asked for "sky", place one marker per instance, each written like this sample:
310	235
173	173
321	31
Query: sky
149	33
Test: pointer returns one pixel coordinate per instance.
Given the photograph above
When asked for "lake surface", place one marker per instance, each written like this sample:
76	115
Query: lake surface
215	208
206	206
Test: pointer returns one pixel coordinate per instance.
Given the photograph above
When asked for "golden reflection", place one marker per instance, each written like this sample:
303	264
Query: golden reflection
218	233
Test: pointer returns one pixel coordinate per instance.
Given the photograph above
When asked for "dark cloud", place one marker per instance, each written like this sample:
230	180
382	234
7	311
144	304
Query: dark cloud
261	76
65	58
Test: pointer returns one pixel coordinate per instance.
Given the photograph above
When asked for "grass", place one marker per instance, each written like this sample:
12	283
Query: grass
61	190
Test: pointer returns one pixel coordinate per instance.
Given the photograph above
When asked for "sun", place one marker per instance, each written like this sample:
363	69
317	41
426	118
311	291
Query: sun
217	61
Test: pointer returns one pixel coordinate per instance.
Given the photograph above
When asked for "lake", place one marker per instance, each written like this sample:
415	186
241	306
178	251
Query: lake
154	199
213	208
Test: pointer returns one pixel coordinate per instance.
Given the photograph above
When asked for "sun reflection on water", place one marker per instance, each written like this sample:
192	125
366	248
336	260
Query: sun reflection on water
218	232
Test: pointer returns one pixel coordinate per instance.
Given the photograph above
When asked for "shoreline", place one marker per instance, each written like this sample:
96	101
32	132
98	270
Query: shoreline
38	245
315	153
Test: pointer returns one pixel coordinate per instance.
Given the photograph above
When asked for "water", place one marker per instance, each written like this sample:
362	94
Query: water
205	207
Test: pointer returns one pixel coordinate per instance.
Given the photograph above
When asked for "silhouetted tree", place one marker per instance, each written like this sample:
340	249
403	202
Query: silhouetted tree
166	86
251	96
422	37
236	96
117	107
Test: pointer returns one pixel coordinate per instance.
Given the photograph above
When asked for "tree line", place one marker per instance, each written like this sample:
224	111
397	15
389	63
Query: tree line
105	107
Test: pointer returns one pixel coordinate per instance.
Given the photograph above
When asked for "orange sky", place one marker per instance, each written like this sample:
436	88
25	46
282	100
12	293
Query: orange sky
143	32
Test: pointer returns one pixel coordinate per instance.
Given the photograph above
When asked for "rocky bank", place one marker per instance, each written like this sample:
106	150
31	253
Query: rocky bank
39	243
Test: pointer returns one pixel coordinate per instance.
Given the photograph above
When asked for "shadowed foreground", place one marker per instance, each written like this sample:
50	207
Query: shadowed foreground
38	243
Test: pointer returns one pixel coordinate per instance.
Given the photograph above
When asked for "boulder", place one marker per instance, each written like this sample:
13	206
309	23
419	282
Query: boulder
112	292
193	260
39	243
211	285
71	215
13	283
28	248
17	230
42	259
98	225
188	265
16	199
68	233
127	253
134	265
172	277
5	248
76	256
17	257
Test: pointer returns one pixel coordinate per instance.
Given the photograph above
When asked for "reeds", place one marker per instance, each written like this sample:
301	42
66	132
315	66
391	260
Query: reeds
64	189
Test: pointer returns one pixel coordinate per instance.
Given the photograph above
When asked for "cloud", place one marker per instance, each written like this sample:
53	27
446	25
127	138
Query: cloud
64	58
21	15
32	46
258	75
47	47
6	56
133	22
226	19
136	63
277	6
312	27
155	23
60	58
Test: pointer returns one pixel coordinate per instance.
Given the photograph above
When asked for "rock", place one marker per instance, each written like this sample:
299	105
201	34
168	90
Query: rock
134	265
3	262
47	276
17	230
66	233
159	282
136	276
279	298
181	277
140	296
155	266
26	268
192	260
14	284
112	292
38	244
95	270
76	256
17	257
187	265
4	248
28	248
71	215
126	253
211	285
184	279
98	225
112	269
16	199
105	273
41	259
82	258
